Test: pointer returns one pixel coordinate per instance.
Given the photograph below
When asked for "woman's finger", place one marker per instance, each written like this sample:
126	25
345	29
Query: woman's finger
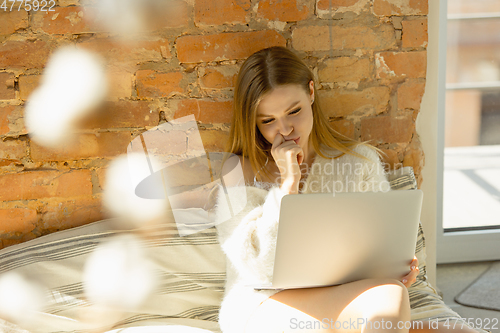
411	277
289	147
278	139
300	158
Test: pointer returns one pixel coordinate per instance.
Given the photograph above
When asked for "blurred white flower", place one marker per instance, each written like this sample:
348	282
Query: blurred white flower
118	274
74	84
122	15
122	176
20	299
126	17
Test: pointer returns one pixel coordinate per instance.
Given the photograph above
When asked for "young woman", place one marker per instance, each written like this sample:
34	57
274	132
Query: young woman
285	146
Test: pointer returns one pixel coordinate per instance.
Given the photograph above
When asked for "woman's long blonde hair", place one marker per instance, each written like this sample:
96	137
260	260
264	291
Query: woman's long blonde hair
260	74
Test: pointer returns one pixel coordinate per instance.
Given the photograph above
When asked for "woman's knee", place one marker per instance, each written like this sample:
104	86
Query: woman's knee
387	298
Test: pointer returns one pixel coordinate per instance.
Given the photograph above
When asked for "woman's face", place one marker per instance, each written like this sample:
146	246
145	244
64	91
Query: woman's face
287	110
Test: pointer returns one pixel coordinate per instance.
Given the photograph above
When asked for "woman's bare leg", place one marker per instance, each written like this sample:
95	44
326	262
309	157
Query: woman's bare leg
344	308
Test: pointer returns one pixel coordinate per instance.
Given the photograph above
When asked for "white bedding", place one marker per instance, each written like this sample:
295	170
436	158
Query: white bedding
191	271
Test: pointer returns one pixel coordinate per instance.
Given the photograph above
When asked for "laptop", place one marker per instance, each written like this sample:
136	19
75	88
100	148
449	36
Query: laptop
326	240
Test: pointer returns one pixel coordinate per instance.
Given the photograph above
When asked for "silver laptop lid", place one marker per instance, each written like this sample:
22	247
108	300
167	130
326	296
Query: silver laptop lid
325	239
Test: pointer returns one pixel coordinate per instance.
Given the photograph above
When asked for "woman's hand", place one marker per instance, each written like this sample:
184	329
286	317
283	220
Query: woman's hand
411	277
288	156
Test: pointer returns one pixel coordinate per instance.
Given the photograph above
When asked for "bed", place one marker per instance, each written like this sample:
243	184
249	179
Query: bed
190	271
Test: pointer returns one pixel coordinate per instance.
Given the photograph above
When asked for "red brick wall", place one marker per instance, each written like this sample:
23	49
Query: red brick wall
368	55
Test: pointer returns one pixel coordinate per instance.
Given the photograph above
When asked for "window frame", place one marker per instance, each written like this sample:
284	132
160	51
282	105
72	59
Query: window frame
459	246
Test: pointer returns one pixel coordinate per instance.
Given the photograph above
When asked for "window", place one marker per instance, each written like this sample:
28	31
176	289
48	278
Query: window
471	182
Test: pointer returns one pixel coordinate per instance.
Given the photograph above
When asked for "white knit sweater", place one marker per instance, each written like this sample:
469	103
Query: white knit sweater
249	238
